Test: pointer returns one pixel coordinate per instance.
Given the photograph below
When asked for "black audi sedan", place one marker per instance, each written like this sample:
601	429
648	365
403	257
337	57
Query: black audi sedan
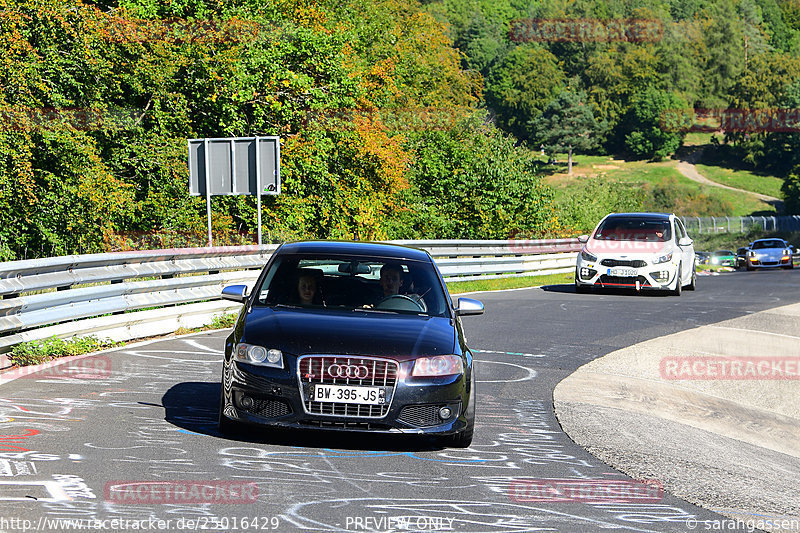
350	336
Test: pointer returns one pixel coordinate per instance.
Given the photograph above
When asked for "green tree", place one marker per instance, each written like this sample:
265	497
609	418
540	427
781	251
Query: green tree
643	126
567	121
472	182
520	87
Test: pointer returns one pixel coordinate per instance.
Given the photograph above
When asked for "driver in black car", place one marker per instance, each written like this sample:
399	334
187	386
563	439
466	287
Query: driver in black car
391	279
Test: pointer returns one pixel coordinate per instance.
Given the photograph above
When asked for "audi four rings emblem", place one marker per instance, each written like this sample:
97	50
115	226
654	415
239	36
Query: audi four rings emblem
348	371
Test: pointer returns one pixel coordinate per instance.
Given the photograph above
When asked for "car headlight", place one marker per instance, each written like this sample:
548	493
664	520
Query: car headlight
586	256
439	365
663	259
258	355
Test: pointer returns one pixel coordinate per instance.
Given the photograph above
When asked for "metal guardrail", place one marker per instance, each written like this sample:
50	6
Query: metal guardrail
127	295
741	224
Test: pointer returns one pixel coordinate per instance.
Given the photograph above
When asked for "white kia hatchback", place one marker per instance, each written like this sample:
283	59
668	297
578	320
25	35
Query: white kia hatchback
638	251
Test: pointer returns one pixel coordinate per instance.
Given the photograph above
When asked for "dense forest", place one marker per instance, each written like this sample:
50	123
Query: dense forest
398	118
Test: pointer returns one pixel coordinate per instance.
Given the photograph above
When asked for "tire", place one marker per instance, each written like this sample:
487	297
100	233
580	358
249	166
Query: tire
693	285
225	425
789	266
581	289
678	283
463	439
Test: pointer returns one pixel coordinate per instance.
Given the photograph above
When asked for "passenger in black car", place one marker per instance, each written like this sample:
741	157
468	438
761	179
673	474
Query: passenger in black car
308	289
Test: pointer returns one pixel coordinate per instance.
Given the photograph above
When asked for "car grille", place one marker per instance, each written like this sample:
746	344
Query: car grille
372	372
635	263
362	426
420	415
613	281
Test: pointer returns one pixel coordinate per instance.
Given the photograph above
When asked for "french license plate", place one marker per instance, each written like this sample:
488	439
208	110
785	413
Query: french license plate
622	272
349	394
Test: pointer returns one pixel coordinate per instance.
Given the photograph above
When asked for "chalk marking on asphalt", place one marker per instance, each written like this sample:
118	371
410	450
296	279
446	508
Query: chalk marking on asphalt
511	353
531	373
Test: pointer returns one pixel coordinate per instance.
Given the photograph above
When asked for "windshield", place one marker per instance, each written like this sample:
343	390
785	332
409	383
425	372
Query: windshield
768	244
721	253
634	229
353	283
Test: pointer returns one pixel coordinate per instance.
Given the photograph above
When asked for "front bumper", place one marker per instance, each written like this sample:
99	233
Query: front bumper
769	261
631	274
278	398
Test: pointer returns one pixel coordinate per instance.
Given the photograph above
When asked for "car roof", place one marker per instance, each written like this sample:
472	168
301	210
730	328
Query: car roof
769	239
391	251
643	216
650	216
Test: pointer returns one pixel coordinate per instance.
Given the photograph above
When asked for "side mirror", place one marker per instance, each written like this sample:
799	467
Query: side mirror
583	239
235	293
468	306
685	241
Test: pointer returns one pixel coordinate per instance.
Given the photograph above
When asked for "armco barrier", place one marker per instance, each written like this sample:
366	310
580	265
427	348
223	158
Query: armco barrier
128	295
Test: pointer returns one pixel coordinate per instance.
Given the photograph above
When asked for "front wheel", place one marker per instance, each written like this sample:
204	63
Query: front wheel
225	425
463	439
580	288
678	283
693	285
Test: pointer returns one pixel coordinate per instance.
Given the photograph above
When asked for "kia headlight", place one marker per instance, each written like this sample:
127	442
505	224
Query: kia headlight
663	259
439	365
257	355
586	256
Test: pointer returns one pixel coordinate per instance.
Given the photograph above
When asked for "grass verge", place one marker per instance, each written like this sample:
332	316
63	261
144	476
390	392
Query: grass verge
459	287
38	352
743	179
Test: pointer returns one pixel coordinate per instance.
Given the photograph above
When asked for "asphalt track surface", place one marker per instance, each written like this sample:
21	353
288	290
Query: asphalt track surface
68	440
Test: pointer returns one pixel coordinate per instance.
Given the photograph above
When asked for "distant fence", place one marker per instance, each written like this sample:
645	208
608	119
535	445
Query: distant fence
128	295
697	225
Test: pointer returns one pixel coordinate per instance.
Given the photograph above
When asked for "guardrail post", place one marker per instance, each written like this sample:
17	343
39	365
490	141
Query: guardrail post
765	222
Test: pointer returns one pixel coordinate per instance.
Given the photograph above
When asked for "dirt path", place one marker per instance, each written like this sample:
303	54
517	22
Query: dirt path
686	166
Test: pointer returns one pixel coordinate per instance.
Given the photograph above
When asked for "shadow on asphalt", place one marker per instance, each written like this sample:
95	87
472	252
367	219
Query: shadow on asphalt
570	288
194	406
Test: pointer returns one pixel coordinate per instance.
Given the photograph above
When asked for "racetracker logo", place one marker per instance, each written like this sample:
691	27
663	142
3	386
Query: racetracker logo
626	243
730	368
544	246
180	492
394	120
731	120
586	490
30	119
181	31
96	367
585	30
